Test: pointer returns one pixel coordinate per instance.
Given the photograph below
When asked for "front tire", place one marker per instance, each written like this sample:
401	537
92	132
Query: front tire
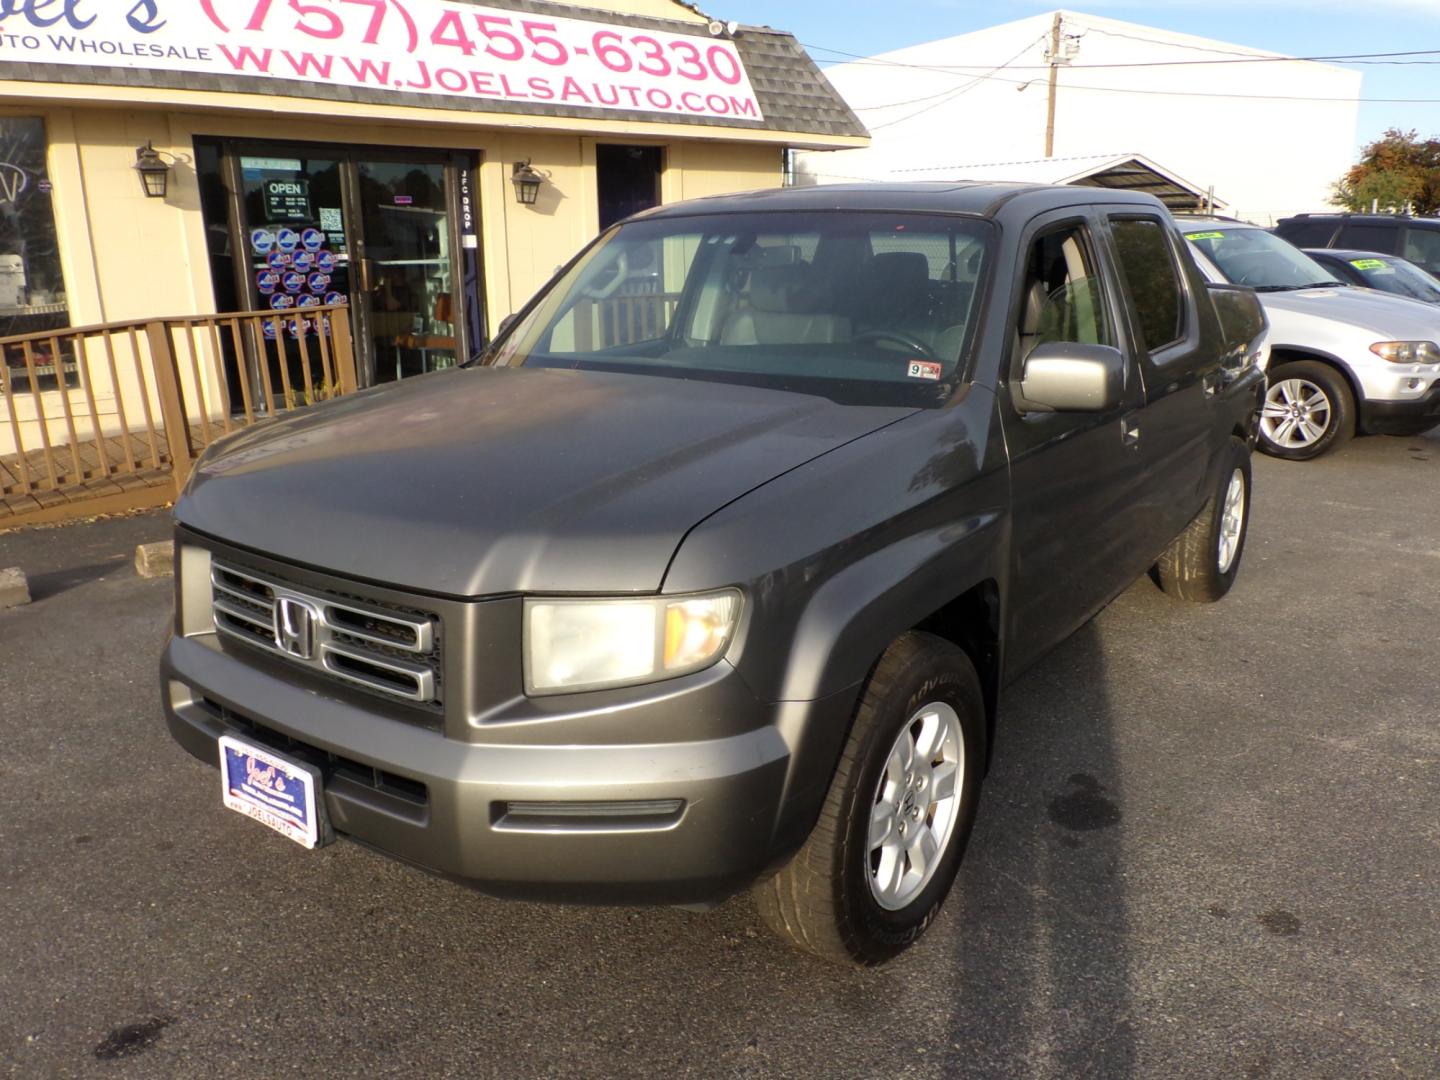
1309	410
1202	562
883	855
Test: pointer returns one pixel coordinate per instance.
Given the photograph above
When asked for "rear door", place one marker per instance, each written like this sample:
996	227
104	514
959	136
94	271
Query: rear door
1076	478
1174	431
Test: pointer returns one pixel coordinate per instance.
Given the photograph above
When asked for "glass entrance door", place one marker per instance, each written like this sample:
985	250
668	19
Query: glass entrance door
407	266
379	230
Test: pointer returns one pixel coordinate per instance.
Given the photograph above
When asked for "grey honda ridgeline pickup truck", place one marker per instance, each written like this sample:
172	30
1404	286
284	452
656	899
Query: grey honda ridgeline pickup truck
710	572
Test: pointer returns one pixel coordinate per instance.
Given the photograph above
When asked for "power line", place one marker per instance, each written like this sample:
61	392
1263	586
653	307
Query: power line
951	96
1351	58
991	77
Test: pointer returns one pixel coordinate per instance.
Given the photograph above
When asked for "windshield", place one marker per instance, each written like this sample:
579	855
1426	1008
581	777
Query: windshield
1256	258
1397	276
866	307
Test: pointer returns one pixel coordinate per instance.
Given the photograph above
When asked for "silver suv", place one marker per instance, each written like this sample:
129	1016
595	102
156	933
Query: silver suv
1342	358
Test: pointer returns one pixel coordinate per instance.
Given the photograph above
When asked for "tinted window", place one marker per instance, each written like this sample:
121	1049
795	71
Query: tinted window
1303	232
1422	245
1148	265
1370	235
1063	298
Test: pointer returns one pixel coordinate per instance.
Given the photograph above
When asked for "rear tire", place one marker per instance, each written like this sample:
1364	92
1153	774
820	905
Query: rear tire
1309	410
1203	561
881	859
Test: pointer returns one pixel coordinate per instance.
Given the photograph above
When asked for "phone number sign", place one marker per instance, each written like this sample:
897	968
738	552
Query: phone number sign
450	49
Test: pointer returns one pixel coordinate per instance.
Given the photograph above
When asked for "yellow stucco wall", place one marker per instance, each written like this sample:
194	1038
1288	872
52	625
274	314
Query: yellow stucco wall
126	257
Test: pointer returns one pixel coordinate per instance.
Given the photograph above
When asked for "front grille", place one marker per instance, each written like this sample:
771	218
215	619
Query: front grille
386	651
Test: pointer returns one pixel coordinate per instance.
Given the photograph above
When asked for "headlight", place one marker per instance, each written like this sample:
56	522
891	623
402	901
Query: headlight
1407	352
573	645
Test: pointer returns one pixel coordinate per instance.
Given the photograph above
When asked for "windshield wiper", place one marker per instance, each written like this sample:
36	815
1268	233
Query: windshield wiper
1294	288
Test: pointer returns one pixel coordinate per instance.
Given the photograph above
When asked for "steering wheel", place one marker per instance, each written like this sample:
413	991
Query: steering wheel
899	337
621	268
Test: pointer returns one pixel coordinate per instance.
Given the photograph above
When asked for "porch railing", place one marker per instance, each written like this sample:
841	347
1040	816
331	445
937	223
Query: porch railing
100	419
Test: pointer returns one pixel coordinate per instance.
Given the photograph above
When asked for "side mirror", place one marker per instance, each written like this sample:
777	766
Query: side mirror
1065	376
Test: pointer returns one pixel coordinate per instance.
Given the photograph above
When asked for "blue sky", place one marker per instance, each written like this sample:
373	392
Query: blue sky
1294	27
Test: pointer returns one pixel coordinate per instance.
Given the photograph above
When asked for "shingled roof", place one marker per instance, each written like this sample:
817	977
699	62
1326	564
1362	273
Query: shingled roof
793	95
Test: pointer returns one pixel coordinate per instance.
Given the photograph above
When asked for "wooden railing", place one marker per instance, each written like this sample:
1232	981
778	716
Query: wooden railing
623	320
99	419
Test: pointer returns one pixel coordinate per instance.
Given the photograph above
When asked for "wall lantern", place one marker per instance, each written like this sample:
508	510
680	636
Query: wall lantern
154	173
527	183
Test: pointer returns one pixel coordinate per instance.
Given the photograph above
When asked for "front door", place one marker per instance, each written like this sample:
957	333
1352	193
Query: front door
379	230
407	266
1077	477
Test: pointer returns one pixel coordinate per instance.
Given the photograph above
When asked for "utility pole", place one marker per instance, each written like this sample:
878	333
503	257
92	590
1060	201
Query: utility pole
1055	61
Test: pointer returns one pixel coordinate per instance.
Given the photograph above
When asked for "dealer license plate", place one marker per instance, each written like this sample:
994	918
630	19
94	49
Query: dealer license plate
270	789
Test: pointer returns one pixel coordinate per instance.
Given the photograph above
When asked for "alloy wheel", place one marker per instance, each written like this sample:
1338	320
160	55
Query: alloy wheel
916	805
1232	521
1297	414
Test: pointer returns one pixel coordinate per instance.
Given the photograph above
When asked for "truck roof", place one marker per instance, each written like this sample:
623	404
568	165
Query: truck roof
983	199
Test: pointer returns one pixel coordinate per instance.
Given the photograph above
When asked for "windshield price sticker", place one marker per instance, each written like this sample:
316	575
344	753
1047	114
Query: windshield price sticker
924	369
1367	264
438	47
1204	235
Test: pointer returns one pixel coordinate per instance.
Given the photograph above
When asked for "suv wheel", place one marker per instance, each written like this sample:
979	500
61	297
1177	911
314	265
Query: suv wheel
1201	564
1309	410
880	860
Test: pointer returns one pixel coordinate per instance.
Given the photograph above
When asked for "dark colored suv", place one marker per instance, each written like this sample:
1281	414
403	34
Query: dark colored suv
679	592
1413	238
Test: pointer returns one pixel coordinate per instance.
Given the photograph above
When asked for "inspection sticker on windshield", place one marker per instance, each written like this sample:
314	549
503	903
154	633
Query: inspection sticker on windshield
1367	264
924	369
1204	236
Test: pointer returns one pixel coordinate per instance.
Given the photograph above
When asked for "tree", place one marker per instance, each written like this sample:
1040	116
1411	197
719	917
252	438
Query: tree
1396	170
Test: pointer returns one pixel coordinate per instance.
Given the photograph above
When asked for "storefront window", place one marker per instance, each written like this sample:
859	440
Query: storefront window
32	287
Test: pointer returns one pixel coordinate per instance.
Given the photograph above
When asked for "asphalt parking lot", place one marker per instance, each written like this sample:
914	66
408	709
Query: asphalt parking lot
1209	847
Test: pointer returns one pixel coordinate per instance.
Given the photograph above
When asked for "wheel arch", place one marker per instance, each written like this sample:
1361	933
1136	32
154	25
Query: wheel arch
1281	354
947	581
971	622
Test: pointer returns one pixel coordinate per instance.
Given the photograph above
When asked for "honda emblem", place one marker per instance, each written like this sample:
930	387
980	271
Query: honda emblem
295	627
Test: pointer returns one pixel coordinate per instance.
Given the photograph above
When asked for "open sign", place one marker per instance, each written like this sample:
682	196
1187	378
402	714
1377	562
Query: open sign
287	200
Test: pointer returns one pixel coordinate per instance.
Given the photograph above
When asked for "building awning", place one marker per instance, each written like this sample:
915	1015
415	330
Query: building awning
1126	172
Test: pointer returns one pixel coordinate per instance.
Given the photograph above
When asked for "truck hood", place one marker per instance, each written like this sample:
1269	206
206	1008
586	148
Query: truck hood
1387	317
483	481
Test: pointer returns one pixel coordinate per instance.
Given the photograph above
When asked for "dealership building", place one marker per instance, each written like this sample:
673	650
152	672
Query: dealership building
427	163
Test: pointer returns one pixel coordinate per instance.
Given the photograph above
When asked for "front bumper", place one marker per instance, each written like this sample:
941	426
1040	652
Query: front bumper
1409	417
677	822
